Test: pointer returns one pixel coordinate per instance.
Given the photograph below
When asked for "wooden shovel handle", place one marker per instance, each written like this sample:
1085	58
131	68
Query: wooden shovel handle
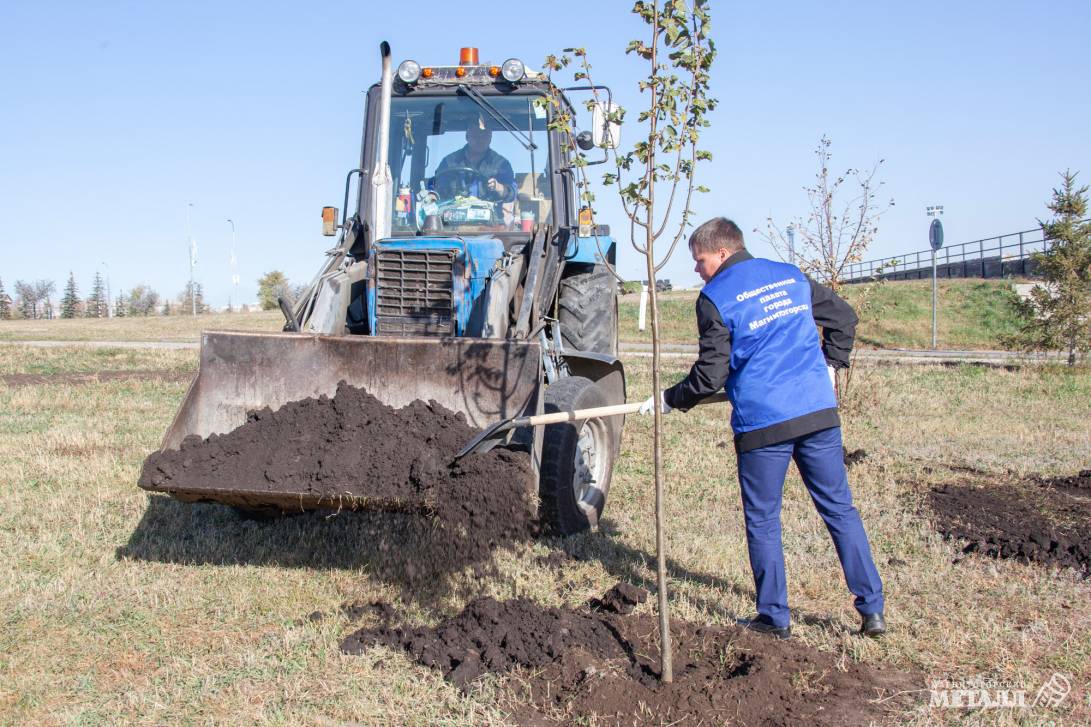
597	412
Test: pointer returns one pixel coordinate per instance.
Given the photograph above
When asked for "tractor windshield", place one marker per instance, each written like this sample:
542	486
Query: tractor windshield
457	169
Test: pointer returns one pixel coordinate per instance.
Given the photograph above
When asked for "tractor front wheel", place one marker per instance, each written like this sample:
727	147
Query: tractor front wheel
577	459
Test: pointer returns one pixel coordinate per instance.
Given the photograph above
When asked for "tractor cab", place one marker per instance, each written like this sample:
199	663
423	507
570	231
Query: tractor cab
455	170
469	150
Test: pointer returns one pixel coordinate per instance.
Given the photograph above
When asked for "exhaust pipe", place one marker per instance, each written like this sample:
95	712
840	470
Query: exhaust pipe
381	181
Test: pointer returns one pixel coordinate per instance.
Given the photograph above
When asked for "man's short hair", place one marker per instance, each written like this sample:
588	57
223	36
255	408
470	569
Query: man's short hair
719	232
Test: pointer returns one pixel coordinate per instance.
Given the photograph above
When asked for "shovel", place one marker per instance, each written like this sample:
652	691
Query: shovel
493	434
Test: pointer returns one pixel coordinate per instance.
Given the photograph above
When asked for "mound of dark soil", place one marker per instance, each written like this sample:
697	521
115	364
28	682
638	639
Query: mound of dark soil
1039	520
1080	482
353	448
579	665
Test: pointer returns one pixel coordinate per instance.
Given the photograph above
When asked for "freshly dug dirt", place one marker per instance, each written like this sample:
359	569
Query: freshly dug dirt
582	665
353	448
622	598
95	377
854	457
1038	520
1080	482
356	610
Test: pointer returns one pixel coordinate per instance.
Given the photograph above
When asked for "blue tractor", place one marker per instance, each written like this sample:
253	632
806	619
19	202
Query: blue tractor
467	274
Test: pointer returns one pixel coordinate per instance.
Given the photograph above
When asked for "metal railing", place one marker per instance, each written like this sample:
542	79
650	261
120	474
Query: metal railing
990	257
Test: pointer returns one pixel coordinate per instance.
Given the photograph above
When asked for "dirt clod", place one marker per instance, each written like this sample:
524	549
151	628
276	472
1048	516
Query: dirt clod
379	609
353	447
1036	520
854	457
580	666
622	598
556	560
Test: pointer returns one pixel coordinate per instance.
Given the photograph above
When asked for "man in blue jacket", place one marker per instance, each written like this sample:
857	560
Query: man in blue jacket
758	321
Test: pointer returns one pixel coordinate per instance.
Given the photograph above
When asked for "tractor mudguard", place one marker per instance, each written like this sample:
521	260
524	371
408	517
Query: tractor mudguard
602	368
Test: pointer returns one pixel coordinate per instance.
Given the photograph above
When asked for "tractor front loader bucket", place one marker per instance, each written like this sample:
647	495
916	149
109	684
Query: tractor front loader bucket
484	379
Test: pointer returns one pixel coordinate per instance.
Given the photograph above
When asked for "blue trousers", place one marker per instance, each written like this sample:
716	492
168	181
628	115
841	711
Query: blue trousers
821	463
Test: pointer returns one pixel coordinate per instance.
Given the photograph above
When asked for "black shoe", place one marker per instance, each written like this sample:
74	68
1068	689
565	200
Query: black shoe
873	625
764	625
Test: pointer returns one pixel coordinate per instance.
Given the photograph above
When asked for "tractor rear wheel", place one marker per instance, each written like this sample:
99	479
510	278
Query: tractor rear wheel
577	459
587	309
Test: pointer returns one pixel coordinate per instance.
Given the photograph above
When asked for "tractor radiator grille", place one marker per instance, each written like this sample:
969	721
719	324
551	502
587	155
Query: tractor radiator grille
413	292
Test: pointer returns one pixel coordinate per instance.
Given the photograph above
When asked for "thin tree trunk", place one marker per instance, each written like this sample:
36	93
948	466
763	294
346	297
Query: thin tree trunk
666	662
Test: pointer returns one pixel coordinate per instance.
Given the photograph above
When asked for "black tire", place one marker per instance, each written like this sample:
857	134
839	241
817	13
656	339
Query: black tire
577	459
587	309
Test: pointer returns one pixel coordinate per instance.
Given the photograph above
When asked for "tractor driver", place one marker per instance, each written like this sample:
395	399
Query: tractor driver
494	181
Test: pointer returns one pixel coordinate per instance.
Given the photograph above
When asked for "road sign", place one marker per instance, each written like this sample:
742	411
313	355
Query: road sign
935	234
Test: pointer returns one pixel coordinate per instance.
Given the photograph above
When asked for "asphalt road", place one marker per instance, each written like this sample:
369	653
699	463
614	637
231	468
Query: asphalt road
874	355
679	350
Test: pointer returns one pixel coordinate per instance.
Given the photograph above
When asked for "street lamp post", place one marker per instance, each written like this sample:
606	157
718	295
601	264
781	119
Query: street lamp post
791	243
935	241
109	297
234	274
192	261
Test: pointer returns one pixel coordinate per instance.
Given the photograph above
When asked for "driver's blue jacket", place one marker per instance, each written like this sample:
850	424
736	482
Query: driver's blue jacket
492	165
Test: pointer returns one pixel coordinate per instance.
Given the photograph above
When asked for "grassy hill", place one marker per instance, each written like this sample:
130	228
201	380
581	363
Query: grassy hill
973	314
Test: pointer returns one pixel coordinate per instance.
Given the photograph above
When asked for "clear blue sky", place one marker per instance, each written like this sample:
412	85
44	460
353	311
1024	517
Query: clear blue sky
116	115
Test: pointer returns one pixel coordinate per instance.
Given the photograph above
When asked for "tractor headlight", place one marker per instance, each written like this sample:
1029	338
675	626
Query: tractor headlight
409	71
513	70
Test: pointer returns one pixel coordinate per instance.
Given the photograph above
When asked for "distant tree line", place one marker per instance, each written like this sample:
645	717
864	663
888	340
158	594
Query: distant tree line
34	300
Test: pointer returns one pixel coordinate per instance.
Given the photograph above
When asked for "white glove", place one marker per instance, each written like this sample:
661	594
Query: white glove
648	407
833	377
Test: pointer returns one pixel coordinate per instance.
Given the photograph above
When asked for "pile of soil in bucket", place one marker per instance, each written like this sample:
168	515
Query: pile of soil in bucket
354	449
597	665
1045	520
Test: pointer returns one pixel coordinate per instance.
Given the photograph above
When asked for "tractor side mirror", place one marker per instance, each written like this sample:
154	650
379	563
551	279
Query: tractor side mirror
606	132
585	140
329	221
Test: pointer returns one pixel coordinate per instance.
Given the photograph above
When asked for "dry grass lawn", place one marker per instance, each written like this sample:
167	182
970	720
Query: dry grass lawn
140	328
121	607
